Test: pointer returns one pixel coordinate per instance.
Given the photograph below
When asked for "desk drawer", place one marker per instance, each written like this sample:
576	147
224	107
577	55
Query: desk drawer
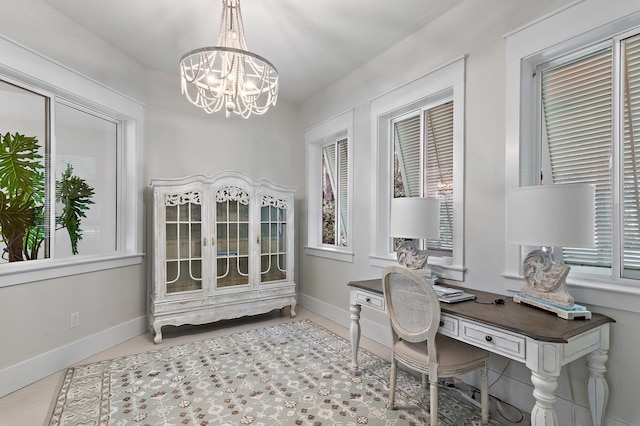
371	300
449	326
494	340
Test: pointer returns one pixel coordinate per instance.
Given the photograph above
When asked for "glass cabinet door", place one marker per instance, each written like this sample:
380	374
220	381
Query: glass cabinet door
232	237
183	226
273	240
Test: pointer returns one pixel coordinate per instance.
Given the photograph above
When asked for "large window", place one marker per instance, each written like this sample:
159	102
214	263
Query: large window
69	172
419	129
329	183
577	119
58	200
573	115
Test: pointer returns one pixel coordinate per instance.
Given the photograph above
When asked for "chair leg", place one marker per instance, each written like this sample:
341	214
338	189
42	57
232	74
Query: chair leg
392	385
433	396
484	396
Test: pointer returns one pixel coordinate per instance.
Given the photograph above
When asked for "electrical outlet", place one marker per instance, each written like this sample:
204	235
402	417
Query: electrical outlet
75	320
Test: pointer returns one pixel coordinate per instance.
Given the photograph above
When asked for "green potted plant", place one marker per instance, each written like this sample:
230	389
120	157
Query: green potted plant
22	199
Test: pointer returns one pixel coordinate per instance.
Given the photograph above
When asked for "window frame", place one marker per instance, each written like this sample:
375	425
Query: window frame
447	81
577	26
316	137
28	69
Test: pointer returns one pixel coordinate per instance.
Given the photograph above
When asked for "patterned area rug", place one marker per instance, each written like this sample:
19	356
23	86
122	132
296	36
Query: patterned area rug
289	374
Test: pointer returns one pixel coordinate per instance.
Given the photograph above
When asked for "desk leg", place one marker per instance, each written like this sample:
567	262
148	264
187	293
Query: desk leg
544	391
597	386
354	331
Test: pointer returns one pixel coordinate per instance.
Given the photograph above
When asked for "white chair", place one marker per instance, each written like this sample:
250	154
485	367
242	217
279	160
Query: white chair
414	311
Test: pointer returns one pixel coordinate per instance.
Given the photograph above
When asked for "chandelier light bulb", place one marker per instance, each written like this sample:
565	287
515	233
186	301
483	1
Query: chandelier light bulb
229	75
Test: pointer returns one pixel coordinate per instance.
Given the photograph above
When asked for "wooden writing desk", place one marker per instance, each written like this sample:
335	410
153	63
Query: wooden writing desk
538	339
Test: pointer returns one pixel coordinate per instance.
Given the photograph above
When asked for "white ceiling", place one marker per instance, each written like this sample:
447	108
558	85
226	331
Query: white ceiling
311	42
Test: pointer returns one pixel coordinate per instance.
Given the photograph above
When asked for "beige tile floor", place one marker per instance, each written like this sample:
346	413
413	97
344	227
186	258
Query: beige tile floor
29	405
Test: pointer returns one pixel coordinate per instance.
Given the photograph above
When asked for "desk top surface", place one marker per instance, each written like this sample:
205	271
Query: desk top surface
522	319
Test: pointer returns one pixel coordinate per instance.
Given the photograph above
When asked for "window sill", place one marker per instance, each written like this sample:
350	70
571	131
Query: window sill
329	253
31	271
601	292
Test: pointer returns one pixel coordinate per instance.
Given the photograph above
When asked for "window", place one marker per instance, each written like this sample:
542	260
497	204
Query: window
329	166
58	200
69	191
423	165
420	153
577	121
87	141
573	116
335	193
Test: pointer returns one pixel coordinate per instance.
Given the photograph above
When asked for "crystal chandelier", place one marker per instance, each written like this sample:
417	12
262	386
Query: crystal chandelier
228	75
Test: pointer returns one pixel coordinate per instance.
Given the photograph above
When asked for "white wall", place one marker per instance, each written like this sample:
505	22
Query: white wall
39	27
183	139
475	29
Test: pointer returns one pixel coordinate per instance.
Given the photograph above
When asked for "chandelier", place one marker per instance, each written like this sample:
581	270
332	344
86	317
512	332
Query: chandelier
228	75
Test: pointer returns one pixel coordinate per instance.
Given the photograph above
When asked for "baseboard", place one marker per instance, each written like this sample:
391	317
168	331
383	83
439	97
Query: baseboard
372	330
20	375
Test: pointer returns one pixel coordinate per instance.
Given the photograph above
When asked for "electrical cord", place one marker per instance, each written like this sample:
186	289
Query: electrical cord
501	374
500	404
499	301
500	411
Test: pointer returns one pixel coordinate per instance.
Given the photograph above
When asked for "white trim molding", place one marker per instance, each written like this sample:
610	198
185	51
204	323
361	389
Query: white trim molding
20	375
446	81
339	126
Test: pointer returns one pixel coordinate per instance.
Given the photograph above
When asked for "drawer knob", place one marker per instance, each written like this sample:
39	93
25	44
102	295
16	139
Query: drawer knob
441	323
368	300
488	338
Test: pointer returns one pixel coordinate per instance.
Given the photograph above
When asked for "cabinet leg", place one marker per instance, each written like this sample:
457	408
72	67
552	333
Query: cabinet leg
354	332
157	331
292	310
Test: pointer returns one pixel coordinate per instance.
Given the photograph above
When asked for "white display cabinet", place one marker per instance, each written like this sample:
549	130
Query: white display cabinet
223	248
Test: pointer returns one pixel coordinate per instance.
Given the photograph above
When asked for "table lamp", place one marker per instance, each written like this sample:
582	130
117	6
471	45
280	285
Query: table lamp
550	216
415	218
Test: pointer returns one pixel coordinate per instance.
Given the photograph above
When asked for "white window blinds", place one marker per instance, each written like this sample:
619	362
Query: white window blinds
577	129
408	147
439	172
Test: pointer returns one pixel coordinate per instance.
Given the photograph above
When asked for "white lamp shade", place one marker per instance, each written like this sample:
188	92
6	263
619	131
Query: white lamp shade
552	215
415	217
